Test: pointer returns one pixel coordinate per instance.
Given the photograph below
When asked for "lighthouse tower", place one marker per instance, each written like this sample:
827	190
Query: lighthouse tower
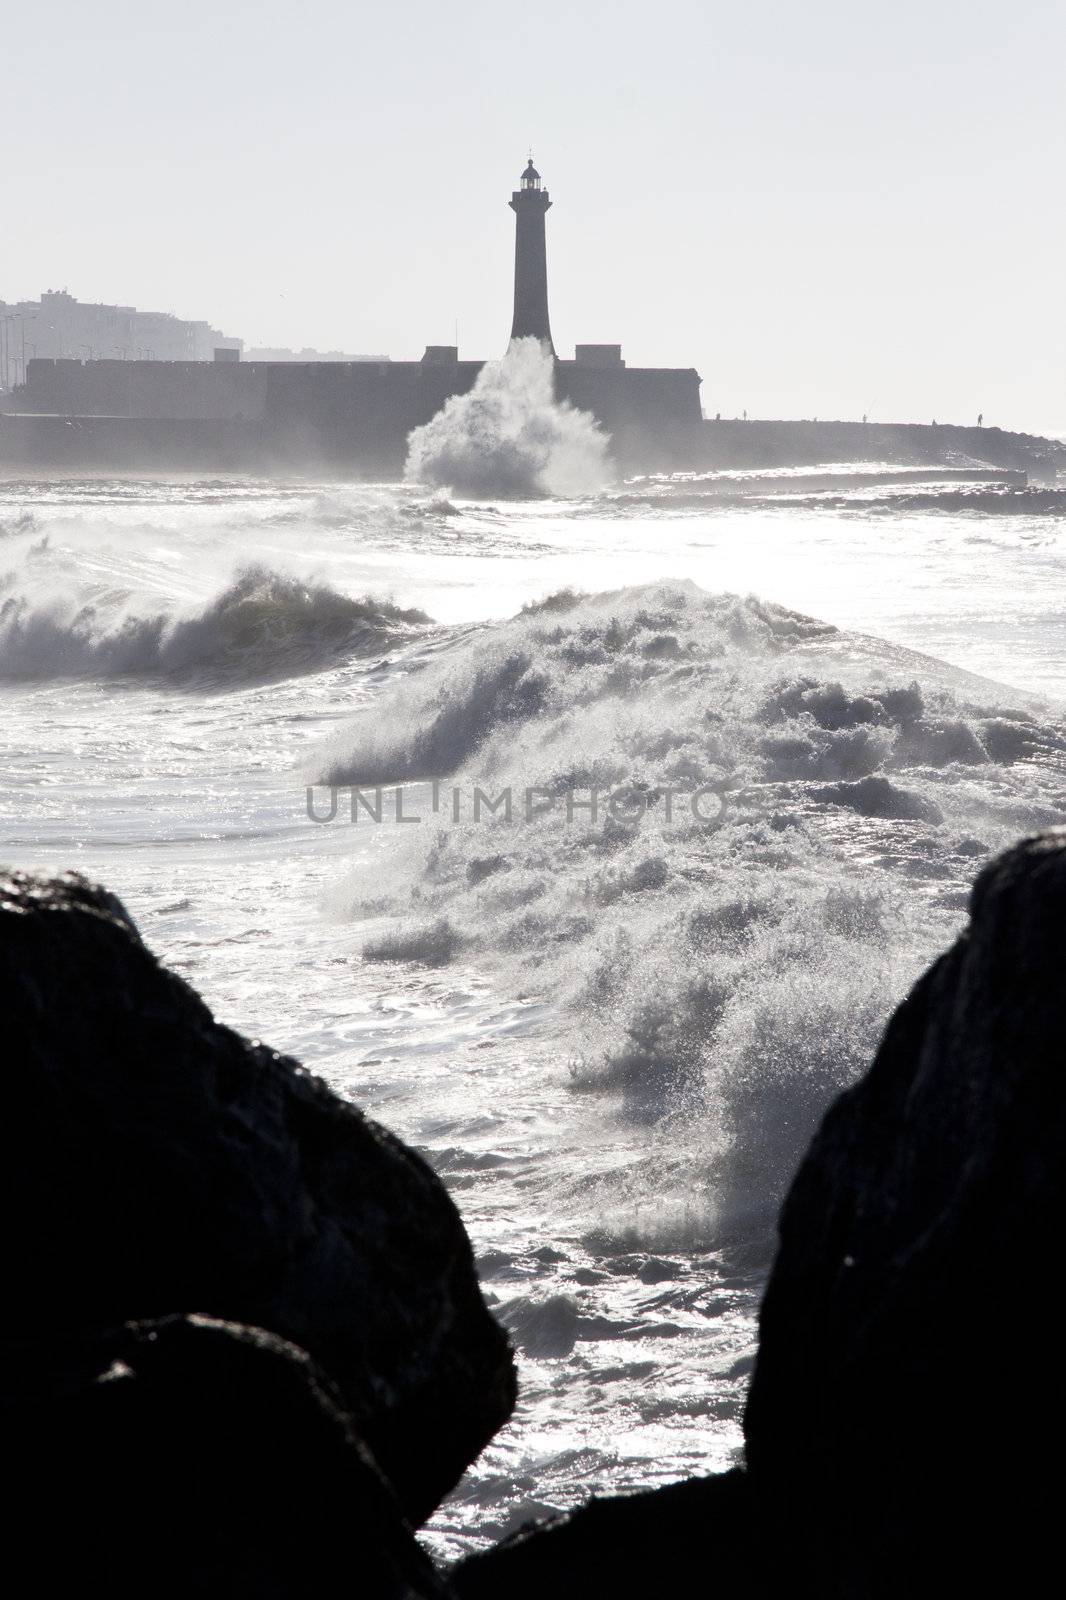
529	203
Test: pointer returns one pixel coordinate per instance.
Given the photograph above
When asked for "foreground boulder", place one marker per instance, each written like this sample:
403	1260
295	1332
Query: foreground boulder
907	1401
154	1162
693	1537
908	1381
194	1457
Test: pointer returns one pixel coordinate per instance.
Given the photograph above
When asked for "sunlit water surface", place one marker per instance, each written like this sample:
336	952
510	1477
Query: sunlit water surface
185	793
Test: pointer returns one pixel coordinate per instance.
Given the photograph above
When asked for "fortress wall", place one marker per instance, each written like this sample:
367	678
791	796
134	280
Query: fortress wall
357	414
343	416
652	413
158	389
354	418
334	415
628	397
363	413
120	444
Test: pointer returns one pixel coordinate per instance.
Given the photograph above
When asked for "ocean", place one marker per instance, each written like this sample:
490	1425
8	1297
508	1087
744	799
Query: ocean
586	842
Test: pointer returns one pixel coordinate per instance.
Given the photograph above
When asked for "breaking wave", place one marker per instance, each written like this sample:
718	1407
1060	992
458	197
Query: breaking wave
1026	502
875	494
720	970
19	526
264	625
510	435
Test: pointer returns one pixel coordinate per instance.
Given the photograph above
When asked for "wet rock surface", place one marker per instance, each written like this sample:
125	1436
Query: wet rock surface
691	1537
155	1162
190	1456
887	1446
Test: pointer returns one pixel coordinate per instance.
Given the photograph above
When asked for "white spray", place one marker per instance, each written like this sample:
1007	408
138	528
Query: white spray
511	436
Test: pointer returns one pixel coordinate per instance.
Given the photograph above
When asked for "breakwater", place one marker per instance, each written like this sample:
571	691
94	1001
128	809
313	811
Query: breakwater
353	419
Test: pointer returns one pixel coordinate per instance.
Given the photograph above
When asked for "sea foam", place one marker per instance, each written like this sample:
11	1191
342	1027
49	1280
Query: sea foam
724	972
262	625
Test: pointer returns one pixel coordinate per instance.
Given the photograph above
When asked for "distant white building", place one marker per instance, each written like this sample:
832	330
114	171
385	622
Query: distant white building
59	326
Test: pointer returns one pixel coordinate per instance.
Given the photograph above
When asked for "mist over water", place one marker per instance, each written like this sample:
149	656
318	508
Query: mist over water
510	436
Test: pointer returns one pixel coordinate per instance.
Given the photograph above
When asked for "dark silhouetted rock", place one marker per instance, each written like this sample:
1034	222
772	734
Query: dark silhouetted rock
907	1402
155	1162
909	1378
692	1538
194	1457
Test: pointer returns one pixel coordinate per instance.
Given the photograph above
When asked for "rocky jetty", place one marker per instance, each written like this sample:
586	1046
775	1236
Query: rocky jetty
155	1163
907	1396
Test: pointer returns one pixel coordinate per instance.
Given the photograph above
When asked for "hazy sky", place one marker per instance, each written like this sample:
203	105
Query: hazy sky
828	208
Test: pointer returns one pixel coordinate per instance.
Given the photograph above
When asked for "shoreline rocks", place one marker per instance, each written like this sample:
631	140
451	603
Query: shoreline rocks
688	1538
907	1380
907	1393
189	1456
154	1162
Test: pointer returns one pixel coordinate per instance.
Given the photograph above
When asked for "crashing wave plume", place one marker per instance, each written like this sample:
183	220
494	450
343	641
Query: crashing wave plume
510	436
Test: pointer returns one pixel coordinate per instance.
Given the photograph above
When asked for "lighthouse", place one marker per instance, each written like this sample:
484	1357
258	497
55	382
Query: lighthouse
530	202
